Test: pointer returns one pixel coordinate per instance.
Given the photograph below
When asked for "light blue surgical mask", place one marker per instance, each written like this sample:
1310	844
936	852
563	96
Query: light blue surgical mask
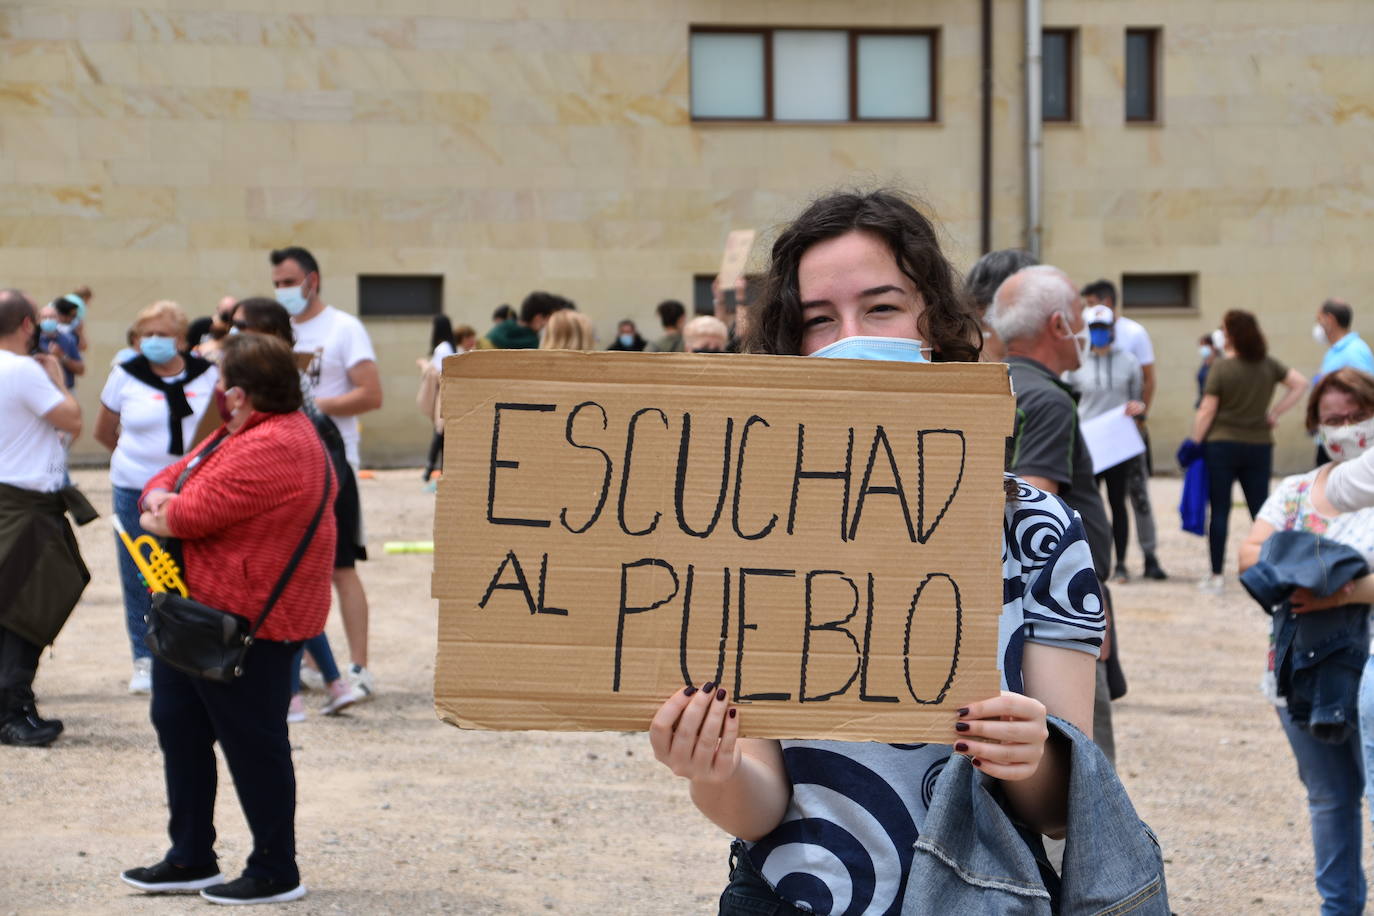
626	340
49	325
158	349
892	349
292	298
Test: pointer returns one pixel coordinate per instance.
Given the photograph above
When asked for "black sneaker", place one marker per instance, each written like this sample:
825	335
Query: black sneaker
25	729
1153	569
253	890
166	878
1121	577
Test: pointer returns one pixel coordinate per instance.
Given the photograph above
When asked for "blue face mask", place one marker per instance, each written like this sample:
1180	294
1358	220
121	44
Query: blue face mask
49	325
292	298
627	340
1099	337
159	350
892	349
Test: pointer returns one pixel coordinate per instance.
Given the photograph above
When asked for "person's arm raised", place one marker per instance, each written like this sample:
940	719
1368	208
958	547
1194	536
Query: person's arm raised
740	784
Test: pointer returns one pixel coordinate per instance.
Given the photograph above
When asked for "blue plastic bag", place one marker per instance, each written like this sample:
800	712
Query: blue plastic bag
1192	506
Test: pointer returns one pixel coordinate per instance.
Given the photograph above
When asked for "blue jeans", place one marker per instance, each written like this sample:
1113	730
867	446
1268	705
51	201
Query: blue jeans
1334	777
318	647
137	604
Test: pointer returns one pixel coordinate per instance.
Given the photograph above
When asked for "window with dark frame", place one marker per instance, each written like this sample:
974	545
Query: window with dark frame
1057	50
1142	74
813	74
703	304
400	296
1158	291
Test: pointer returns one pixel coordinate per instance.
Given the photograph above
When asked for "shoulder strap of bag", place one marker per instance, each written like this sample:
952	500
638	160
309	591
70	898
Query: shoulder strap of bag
295	557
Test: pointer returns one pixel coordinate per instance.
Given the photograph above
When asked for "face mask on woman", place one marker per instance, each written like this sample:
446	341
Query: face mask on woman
1345	443
893	349
1204	352
157	348
49	325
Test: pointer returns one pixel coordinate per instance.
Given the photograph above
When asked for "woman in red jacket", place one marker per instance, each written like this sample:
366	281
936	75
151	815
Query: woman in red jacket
249	497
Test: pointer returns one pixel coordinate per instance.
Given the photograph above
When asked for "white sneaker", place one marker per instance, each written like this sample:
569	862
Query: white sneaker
341	696
1212	585
296	711
311	679
360	681
142	680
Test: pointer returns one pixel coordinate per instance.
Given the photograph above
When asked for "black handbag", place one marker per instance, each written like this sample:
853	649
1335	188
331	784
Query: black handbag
206	642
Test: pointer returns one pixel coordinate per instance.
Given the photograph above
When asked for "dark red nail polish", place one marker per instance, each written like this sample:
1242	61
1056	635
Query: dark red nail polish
708	686
689	691
961	747
976	762
720	694
733	710
961	726
963	710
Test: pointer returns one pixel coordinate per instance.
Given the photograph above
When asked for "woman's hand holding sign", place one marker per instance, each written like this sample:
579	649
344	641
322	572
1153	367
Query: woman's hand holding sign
739	783
694	734
1016	731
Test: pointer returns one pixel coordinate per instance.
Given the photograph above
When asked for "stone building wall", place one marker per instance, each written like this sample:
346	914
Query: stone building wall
158	149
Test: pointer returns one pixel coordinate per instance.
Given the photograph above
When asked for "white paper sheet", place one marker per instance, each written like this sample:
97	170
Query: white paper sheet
1112	438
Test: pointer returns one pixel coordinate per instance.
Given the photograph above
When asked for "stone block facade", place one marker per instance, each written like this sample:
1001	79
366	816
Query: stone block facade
158	148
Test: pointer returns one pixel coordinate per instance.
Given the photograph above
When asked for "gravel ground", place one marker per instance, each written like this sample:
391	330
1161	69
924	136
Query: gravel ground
399	812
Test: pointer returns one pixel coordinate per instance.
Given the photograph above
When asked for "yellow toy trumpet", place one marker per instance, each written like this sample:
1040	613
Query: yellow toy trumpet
157	566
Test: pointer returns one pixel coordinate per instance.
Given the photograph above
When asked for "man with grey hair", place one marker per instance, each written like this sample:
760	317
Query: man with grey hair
41	573
1036	315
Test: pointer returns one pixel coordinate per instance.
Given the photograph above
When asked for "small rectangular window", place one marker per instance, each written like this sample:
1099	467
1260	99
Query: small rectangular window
391	296
1056	74
703	304
728	75
1142	74
1157	291
823	75
895	74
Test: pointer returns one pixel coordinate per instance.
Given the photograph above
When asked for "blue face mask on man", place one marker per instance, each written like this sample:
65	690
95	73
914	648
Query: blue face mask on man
891	349
1099	336
49	325
158	349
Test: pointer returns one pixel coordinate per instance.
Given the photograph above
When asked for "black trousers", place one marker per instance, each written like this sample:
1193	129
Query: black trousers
248	719
1118	479
1228	462
436	455
18	667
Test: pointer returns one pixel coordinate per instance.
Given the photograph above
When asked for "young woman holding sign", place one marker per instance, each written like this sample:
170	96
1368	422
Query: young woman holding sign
829	826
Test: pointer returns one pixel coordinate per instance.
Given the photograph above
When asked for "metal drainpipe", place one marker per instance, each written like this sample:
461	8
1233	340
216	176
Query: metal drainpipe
1034	128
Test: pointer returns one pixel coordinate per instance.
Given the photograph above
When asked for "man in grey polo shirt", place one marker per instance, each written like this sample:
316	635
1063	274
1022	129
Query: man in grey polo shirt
1036	315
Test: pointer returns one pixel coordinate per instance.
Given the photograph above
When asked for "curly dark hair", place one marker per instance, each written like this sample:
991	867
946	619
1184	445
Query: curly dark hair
1243	331
947	323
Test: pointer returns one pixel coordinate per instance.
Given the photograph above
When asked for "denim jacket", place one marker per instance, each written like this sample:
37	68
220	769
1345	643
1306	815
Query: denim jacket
972	858
1318	657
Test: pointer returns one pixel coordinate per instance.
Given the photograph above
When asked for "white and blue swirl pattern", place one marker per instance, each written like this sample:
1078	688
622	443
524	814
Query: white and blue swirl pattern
845	844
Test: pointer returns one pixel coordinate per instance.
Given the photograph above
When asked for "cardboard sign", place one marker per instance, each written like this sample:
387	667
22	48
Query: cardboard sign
821	537
737	247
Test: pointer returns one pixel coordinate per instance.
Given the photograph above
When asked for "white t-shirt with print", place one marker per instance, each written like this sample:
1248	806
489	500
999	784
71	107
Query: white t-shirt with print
1131	336
145	437
31	452
338	342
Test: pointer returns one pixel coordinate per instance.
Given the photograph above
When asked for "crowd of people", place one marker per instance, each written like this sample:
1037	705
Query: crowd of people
234	444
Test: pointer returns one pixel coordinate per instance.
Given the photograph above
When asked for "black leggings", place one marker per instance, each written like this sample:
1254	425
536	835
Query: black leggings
436	455
1118	480
1228	462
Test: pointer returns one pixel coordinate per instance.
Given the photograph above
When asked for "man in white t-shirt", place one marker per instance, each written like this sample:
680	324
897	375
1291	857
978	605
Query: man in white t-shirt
36	410
1131	336
345	383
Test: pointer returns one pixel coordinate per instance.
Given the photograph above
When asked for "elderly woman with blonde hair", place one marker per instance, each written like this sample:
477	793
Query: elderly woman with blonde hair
568	330
149	410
